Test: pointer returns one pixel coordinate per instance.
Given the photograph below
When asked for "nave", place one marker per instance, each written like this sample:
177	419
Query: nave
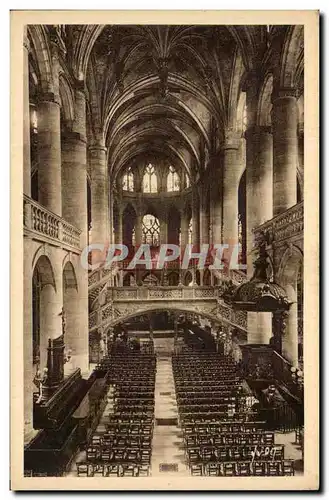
181	411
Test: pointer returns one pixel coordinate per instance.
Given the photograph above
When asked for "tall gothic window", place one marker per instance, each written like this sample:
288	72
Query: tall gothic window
190	229
128	181
244	119
150	182
151	230
172	180
187	181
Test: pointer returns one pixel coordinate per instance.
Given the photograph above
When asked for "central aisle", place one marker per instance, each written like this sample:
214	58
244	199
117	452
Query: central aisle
167	444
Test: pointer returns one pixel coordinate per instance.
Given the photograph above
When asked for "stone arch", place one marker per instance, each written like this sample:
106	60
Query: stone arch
291	263
71	307
291	55
265	102
41	53
69	276
169	307
41	263
45	307
240	109
67	100
188	278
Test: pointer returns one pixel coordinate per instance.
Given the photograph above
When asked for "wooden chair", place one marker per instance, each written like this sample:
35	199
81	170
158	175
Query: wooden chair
229	469
114	470
288	468
82	469
243	469
212	469
258	469
128	470
274	468
142	470
196	470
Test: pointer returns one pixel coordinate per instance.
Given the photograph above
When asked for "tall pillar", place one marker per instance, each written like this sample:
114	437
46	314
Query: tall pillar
290	335
163	231
184	229
28	342
216	210
74	201
204	217
110	215
99	195
139	228
51	304
49	139
26	118
49	153
195	217
232	171
119	228
259	209
285	149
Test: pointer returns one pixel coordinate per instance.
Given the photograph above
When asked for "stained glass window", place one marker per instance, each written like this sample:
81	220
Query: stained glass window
151	230
172	180
150	181
128	181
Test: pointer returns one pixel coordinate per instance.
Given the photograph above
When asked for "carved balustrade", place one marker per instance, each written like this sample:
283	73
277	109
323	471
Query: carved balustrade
47	226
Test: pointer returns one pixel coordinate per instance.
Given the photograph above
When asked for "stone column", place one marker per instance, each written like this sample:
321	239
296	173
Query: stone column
163	231
49	153
51	304
99	195
216	210
49	140
259	209
232	170
74	191
119	229
28	342
26	118
184	229
204	216
139	228
195	217
290	335
285	149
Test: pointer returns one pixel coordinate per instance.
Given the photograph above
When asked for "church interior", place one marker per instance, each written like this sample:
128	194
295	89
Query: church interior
153	135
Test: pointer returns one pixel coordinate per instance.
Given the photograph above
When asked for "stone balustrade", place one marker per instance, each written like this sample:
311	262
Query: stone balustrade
121	302
284	226
46	225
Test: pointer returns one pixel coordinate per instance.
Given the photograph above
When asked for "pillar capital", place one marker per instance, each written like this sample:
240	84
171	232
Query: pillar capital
284	93
257	130
47	96
97	146
231	140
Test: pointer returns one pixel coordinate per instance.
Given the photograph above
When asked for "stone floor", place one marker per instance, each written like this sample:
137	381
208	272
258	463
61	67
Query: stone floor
167	445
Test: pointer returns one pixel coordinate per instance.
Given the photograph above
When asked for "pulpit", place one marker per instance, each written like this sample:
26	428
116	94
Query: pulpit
55	366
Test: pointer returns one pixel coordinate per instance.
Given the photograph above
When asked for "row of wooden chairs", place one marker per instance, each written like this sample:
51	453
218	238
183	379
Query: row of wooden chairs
89	469
206	454
256	468
266	439
119	455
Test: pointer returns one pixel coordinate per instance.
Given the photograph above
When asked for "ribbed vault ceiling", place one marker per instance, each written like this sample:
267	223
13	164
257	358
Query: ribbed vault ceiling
164	89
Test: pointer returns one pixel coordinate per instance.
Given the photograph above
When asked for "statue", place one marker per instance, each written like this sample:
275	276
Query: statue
39	381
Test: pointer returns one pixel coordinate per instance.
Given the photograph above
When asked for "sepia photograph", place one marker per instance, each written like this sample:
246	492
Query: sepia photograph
165	323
